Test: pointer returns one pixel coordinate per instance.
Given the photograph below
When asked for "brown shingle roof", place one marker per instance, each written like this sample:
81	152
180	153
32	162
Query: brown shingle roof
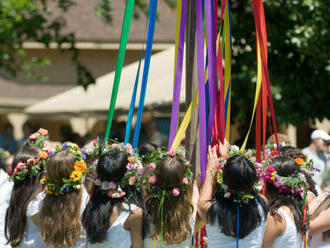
81	19
12	89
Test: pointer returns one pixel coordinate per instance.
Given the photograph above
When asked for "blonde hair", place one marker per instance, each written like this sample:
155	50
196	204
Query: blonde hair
60	223
177	209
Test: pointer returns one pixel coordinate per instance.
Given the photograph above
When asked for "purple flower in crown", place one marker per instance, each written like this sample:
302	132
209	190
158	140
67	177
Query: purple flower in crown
130	166
65	146
83	156
284	189
50	154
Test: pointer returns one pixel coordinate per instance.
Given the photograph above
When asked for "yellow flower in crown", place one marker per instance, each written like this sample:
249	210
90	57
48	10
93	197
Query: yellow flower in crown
75	176
300	161
80	166
273	176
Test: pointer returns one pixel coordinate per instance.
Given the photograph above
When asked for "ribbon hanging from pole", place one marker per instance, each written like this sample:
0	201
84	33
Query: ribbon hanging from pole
119	65
201	88
150	38
178	76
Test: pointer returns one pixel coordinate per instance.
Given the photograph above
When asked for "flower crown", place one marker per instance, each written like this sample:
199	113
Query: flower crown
33	165
131	177
38	139
149	183
296	183
74	181
93	149
237	195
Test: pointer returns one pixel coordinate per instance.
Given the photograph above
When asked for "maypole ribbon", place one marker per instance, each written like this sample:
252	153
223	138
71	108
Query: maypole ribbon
211	53
119	65
178	76
136	84
150	38
177	35
201	88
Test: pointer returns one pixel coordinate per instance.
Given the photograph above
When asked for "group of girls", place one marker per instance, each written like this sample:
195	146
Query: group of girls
109	196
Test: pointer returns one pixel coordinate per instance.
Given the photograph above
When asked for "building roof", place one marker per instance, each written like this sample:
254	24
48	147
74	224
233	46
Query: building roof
14	95
81	18
97	97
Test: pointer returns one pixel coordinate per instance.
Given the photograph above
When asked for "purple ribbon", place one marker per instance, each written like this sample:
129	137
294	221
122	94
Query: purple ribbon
201	88
211	52
178	76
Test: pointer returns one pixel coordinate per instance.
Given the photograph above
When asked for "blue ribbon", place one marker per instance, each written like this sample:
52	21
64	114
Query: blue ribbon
237	225
133	99
150	38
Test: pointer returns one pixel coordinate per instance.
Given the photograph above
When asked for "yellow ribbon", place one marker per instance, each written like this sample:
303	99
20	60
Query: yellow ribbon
256	97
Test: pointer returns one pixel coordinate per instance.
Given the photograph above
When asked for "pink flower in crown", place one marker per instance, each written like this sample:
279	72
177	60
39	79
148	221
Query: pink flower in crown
187	164
270	169
97	182
113	185
176	191
172	153
152	179
185	180
89	151
20	166
113	194
227	195
130	166
131	180
94	142
34	136
122	194
129	148
43	132
106	185
30	161
152	166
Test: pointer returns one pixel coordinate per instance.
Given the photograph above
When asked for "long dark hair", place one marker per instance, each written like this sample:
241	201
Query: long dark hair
239	174
22	193
285	166
111	167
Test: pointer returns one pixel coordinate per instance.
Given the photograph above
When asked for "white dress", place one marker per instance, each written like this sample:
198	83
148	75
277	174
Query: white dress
216	239
117	236
5	192
149	243
290	238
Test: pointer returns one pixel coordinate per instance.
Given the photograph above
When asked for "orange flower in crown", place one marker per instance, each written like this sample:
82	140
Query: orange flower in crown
300	161
43	154
80	166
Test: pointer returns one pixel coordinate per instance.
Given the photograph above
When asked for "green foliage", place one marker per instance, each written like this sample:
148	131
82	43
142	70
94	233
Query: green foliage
28	20
299	59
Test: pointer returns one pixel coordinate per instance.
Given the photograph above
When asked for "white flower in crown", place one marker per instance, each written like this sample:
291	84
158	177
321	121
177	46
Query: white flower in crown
234	148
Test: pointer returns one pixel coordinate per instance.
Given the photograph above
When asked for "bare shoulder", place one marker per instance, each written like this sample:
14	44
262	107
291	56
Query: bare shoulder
134	219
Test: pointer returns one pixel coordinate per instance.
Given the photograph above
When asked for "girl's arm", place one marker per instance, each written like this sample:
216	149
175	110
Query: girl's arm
205	196
134	224
274	229
321	223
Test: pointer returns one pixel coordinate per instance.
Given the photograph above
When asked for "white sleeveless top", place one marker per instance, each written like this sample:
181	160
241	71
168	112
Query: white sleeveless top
290	238
5	192
317	242
149	243
31	237
117	236
217	239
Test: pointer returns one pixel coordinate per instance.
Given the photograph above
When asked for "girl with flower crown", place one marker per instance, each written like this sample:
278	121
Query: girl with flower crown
229	202
170	200
5	191
26	197
286	190
114	215
59	217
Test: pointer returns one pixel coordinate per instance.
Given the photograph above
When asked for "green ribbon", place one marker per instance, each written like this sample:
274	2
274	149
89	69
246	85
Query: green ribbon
120	62
161	210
